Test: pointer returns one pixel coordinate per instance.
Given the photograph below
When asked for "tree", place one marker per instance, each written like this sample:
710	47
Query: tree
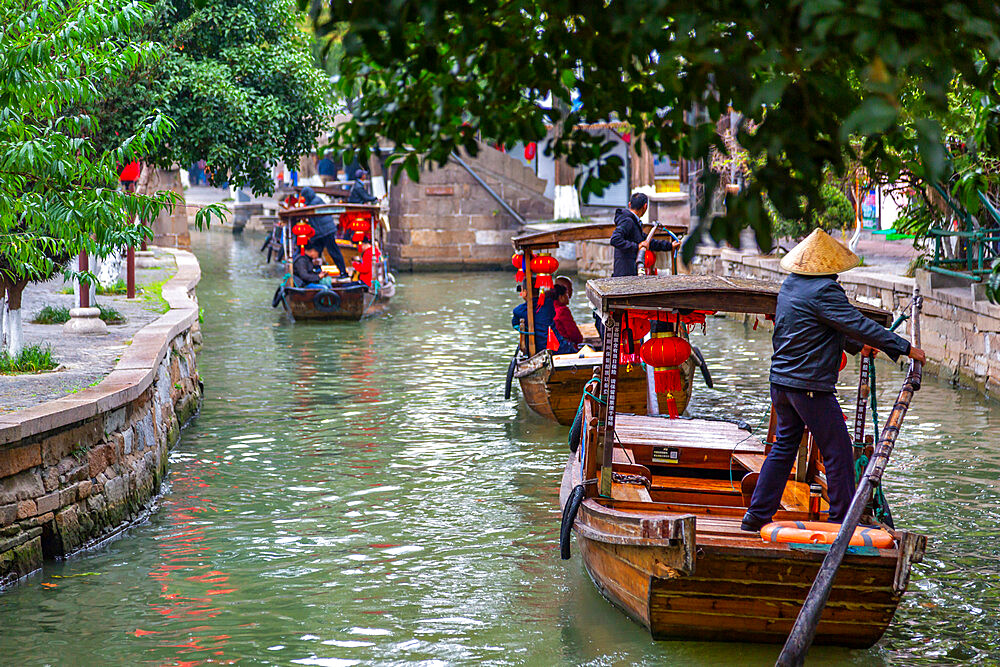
58	191
238	79
823	83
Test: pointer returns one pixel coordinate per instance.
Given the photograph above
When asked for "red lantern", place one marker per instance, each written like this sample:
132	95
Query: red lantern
130	172
843	361
530	150
517	259
649	260
544	266
358	237
665	352
519	276
303	232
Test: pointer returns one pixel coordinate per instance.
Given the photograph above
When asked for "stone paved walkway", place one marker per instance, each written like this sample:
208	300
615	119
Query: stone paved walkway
84	360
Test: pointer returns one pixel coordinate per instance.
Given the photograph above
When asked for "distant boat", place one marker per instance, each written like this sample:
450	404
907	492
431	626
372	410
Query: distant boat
656	505
552	384
345	298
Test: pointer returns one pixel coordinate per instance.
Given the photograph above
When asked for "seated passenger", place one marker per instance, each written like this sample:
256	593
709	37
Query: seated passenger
544	319
564	323
365	262
306	270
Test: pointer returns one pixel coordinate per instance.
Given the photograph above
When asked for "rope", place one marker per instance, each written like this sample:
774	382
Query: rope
579	408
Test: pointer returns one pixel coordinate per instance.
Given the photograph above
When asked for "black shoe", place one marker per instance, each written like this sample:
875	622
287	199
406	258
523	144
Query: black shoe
752	525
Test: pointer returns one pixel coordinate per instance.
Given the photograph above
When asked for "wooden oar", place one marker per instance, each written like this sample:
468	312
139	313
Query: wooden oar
801	636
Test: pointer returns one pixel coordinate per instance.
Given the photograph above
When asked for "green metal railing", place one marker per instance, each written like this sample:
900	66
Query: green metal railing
981	248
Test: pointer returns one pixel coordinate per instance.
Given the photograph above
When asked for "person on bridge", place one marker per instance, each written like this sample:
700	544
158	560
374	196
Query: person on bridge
628	239
814	324
563	321
359	193
326	230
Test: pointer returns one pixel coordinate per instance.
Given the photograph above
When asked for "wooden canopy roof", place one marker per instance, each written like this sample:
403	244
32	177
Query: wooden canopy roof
715	293
583	232
325	209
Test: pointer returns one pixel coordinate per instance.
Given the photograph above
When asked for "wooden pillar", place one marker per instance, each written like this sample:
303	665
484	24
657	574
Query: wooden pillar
641	166
609	389
528	291
130	273
84	287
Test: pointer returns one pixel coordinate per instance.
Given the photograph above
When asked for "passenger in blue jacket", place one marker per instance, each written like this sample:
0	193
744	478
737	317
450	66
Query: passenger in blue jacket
814	324
628	239
544	318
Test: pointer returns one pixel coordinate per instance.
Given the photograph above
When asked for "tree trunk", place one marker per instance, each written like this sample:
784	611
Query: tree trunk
14	331
3	315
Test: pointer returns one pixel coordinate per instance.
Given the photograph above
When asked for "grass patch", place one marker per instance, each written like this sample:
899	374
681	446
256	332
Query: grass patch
111	316
67	289
119	287
32	359
152	294
52	315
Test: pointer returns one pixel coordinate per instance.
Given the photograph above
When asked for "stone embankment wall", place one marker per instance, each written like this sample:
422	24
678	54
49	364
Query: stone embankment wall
959	328
78	470
448	221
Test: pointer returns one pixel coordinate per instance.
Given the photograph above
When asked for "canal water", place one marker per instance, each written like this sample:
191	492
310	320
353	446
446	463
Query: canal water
361	494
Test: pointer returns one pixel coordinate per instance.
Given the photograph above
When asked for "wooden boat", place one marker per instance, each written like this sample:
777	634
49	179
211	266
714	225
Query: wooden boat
552	384
346	298
656	505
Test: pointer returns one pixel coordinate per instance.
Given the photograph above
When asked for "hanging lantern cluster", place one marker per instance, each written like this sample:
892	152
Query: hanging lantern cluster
634	329
665	352
543	266
302	232
356	221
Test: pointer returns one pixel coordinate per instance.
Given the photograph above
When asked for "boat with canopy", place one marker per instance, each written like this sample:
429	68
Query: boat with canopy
656	502
346	298
552	383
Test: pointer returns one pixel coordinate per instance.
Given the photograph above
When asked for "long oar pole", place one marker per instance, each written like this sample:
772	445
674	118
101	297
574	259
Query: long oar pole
801	636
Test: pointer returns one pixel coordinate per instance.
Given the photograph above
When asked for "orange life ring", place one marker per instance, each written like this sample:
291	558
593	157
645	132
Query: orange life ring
819	532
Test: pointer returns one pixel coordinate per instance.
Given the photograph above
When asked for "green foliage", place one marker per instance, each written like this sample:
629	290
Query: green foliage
238	80
118	287
835	212
52	315
993	284
823	82
32	359
152	294
58	192
111	315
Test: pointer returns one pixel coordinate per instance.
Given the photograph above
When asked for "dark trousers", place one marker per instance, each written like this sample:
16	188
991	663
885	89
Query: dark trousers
822	414
330	244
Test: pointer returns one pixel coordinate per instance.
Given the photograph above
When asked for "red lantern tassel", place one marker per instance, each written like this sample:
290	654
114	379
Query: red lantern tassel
668	379
671	406
553	342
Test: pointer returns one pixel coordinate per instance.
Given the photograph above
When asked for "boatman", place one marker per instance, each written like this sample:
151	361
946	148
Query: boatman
814	323
628	239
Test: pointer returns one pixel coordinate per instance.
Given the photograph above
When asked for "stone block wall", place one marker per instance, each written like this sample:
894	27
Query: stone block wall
960	330
447	221
80	469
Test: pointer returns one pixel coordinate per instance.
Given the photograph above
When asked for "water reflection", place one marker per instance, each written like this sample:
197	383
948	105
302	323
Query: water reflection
361	494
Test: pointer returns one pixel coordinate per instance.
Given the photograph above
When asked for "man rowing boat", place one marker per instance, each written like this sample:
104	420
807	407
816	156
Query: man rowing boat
814	323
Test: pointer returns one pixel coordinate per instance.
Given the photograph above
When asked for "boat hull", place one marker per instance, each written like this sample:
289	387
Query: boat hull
553	390
350	303
725	588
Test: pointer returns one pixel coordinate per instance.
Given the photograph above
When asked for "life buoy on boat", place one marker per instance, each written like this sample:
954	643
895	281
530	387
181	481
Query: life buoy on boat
819	532
326	301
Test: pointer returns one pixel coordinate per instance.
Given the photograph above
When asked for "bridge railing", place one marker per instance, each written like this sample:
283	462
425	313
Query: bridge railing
981	247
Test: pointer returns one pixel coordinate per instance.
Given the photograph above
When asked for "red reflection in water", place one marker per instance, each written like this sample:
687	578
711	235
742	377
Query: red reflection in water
189	588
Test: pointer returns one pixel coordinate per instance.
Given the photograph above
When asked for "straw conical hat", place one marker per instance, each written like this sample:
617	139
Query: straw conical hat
819	255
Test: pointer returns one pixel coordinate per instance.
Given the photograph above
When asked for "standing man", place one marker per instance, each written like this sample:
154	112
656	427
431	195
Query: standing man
813	323
326	231
628	239
359	193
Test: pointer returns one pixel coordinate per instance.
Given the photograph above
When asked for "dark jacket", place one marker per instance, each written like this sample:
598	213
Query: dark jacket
323	224
626	239
305	271
543	319
813	325
359	194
